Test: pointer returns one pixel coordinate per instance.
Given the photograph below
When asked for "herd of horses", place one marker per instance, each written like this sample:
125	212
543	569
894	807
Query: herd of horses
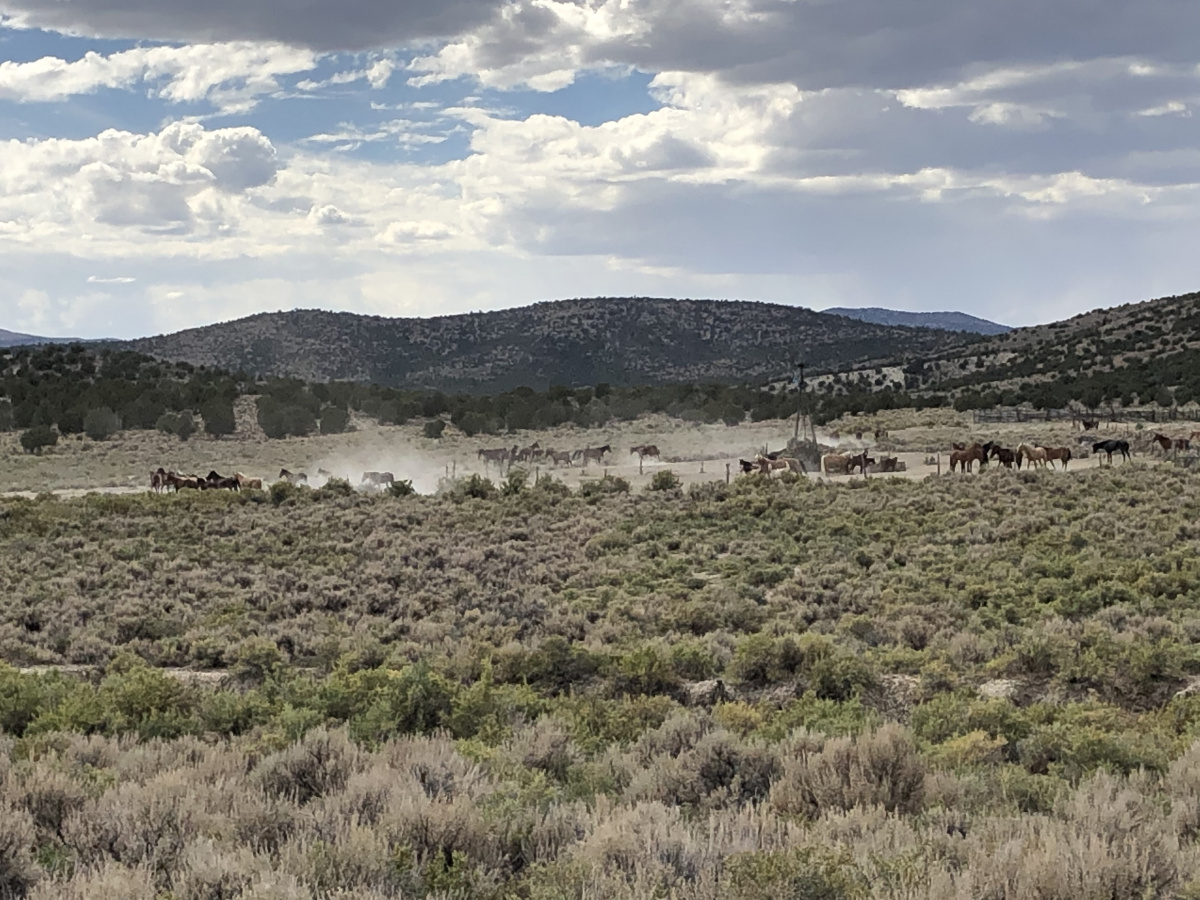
508	456
164	480
964	456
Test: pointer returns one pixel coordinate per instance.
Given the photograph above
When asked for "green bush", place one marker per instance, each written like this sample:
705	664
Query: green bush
514	482
434	428
37	438
101	424
218	417
807	873
334	420
401	487
664	480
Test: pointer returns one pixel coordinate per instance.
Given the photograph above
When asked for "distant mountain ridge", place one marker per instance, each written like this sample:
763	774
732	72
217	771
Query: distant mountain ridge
949	321
17	339
622	341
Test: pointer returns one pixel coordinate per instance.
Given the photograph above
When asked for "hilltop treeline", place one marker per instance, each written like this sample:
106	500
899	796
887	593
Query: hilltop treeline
58	390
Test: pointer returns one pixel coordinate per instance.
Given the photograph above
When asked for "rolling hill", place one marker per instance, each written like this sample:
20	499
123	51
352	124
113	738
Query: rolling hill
17	339
621	341
1132	354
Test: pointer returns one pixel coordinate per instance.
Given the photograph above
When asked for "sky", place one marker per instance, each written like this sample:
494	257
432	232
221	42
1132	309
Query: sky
166	163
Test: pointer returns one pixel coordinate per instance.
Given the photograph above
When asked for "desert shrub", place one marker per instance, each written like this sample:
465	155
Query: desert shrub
434	428
18	872
806	873
476	487
101	423
335	487
878	768
514	482
608	484
255	660
36	439
284	493
137	698
664	480
647	669
318	764
401	487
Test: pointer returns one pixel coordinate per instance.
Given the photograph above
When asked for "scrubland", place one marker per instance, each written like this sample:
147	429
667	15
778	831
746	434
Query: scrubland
973	687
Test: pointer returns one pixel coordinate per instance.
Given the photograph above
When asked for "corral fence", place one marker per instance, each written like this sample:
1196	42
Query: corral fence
1027	414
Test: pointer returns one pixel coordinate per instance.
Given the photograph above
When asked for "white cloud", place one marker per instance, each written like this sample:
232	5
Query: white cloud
231	76
119	279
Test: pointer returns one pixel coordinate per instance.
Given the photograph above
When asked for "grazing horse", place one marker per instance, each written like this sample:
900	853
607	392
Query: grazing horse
835	464
379	479
1004	455
644	450
1110	447
784	464
595	454
1035	455
1062	454
248	484
293	477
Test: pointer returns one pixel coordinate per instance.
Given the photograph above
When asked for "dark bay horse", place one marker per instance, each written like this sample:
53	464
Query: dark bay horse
1110	447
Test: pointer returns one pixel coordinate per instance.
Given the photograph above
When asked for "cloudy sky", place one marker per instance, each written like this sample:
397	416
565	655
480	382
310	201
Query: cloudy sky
169	163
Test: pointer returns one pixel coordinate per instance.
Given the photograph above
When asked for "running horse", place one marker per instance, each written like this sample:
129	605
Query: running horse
293	477
644	450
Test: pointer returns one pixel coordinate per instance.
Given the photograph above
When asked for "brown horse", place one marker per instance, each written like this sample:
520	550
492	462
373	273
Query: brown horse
961	458
644	450
158	480
1090	424
1062	454
1163	441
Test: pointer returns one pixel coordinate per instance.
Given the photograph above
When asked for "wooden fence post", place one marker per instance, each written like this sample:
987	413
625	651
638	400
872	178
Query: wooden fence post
727	473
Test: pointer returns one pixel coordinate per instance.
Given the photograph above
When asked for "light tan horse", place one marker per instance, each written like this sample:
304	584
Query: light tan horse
1036	456
248	484
835	464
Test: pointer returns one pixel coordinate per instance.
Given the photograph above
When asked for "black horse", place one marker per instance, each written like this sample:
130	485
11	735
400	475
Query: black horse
1110	447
